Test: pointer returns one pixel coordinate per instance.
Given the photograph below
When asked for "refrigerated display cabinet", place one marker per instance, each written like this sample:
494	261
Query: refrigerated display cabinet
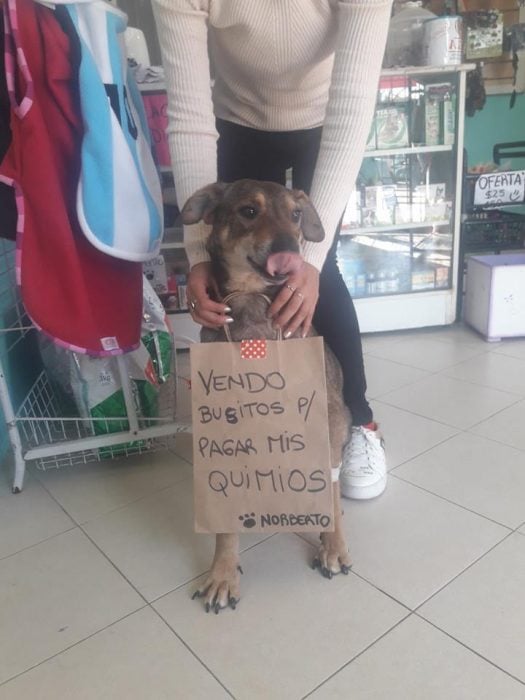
399	243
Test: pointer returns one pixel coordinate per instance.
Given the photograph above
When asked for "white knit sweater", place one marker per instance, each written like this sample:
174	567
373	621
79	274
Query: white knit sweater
277	65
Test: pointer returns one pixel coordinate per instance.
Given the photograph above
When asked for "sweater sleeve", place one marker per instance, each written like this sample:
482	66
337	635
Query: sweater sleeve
363	26
182	27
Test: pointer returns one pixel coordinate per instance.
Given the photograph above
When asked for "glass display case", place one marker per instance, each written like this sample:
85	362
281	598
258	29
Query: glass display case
400	232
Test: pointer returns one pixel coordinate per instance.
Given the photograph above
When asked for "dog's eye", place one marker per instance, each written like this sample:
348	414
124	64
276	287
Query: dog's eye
248	212
296	215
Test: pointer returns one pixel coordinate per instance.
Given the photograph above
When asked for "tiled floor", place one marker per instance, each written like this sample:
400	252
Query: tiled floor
98	563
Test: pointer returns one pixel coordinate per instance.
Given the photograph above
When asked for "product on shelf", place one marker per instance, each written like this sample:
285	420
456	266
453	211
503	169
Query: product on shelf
429	203
391	127
93	384
423	278
440	114
380	205
155	272
483	34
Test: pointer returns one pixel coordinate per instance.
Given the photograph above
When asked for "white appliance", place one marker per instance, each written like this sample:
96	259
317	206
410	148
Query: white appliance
495	296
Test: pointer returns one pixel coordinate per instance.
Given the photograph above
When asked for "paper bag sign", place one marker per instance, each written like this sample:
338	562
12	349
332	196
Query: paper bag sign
260	437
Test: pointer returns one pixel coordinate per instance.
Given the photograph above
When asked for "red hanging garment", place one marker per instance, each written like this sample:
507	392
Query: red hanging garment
85	300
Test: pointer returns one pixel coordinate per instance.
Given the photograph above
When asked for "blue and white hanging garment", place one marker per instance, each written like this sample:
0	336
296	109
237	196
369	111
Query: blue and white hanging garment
119	201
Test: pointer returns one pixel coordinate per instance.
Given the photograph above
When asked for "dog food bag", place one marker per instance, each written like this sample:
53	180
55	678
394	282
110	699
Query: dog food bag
94	386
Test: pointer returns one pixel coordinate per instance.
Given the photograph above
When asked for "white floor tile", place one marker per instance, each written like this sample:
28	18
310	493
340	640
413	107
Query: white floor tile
383	376
137	658
53	595
459	334
407	435
450	401
426	353
485	607
417	661
506	426
410	543
184	447
494	370
292	628
29	517
152	541
87	491
479	474
370	341
512	347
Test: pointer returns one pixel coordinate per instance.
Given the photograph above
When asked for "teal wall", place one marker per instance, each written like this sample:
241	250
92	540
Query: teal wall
495	123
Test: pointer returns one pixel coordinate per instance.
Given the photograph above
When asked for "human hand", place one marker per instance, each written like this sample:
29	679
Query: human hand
294	306
202	308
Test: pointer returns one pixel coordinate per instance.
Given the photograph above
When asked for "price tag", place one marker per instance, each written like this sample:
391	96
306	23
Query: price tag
494	189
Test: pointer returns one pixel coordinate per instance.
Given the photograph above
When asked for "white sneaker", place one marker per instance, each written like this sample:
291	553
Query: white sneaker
363	472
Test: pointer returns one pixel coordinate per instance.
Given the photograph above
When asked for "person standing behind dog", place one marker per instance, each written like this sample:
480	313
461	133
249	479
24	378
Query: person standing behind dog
294	86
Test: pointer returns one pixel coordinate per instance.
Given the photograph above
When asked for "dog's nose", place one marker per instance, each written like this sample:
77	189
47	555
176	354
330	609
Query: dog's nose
284	242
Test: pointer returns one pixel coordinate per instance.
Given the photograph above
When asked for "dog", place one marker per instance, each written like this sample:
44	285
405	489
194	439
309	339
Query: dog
254	245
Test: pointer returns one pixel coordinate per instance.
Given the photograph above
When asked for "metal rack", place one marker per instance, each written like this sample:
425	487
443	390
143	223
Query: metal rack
37	428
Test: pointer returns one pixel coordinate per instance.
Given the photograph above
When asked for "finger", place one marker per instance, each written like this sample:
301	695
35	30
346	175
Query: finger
307	324
200	303
211	320
281	300
288	311
208	313
295	323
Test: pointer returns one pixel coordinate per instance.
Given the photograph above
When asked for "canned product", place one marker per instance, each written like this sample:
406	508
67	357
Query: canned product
443	41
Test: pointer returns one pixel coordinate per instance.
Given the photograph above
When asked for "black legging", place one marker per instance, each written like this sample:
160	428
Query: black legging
266	155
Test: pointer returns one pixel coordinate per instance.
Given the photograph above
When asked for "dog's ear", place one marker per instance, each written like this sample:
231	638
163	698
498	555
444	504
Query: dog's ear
203	203
311	225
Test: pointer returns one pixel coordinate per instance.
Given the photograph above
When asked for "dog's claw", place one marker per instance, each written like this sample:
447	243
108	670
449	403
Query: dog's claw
345	569
326	572
316	563
207	607
217	608
239	568
232	603
197	594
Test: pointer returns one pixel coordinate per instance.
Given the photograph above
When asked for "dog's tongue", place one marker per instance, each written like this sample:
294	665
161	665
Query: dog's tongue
283	263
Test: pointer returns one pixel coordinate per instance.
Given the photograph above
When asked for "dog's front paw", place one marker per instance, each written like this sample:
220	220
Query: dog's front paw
332	557
221	587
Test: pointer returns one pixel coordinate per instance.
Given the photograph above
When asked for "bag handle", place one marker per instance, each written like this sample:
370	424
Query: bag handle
234	295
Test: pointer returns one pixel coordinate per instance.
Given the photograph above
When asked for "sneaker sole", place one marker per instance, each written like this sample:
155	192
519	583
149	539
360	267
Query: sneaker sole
364	492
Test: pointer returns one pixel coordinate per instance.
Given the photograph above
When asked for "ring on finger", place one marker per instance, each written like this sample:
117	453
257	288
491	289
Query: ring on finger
193	304
299	294
292	289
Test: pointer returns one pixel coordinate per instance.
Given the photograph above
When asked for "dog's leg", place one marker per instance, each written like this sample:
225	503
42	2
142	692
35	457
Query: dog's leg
221	587
333	557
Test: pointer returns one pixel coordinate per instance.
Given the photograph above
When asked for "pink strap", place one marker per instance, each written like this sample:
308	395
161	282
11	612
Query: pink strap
14	56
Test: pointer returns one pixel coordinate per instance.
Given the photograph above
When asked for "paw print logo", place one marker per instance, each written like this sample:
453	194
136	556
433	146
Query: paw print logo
248	520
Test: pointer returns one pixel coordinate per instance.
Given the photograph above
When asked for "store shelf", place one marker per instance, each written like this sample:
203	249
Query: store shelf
427	70
407	151
393	230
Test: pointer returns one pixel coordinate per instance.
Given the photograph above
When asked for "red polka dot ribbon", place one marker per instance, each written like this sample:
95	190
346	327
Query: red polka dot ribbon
253	349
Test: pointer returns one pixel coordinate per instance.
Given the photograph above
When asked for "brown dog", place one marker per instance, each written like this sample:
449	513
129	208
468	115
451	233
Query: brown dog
254	246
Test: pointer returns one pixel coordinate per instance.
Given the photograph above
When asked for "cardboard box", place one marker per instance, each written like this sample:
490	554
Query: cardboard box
495	295
392	127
